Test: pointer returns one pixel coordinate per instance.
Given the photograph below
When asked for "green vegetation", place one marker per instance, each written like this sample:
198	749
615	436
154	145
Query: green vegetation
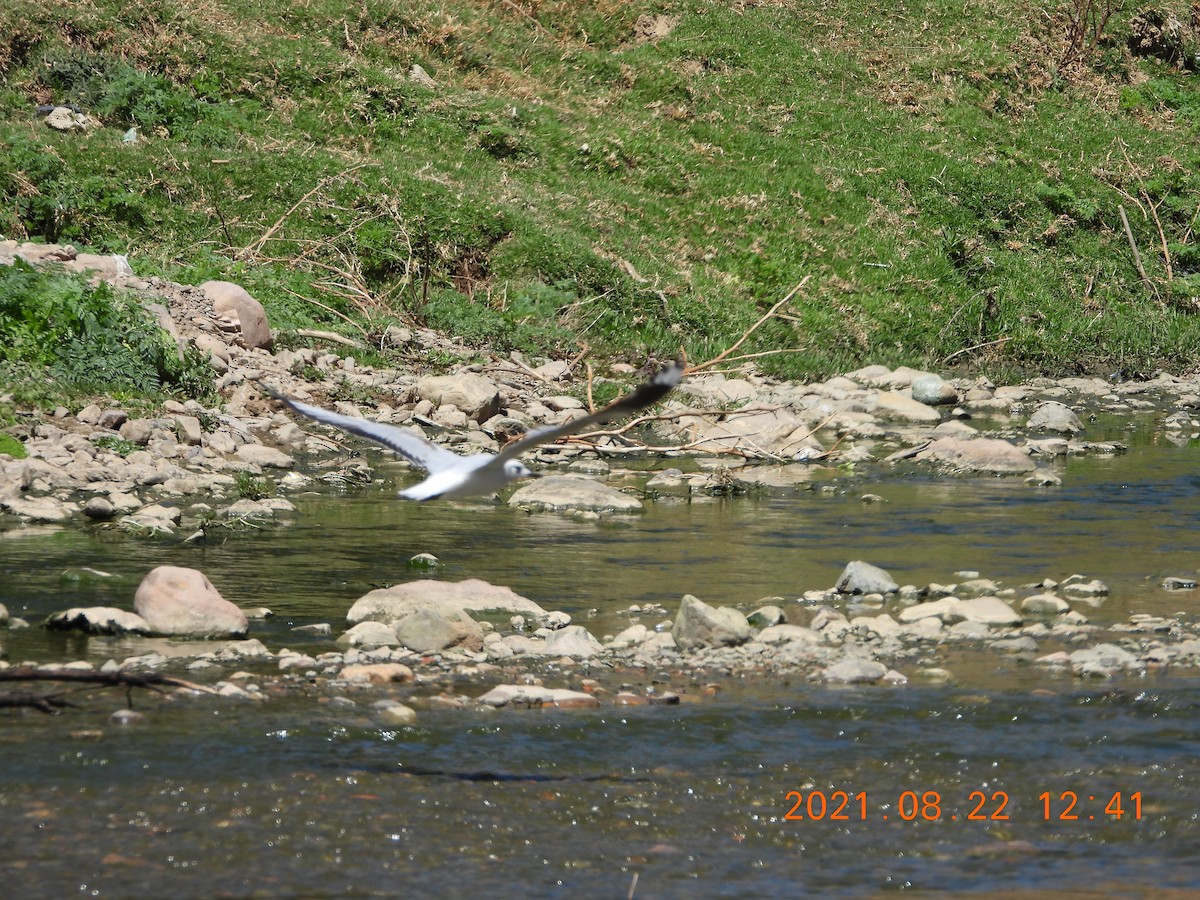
636	176
12	447
59	335
252	487
117	445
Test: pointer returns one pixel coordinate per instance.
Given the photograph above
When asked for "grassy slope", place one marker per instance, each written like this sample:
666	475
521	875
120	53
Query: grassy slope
942	180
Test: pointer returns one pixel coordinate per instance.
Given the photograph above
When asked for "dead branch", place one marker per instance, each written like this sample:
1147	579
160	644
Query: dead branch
723	355
252	249
49	703
1137	257
328	336
994	343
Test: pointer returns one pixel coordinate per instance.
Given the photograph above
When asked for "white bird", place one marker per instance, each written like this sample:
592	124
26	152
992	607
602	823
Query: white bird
452	476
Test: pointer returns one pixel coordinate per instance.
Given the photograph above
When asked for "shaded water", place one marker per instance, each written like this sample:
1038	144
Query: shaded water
296	798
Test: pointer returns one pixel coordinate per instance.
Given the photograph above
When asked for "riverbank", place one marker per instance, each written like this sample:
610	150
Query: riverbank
199	473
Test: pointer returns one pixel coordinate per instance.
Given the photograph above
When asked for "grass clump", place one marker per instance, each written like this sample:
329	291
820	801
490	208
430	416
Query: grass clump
12	447
60	336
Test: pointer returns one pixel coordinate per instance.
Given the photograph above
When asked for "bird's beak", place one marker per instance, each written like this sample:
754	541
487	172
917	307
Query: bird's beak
536	474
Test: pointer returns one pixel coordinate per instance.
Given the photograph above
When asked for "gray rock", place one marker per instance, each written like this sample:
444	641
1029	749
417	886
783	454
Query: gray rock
854	670
1054	416
418	75
944	610
98	620
699	625
39	509
179	601
1104	660
428	629
66	120
863	578
475	395
988	455
574	640
393	712
473	595
766	616
536	696
785	634
369	635
1019	644
138	431
267	457
99	508
630	637
559	492
932	390
239	312
988	611
90	415
1044	604
892	406
1093	588
113	418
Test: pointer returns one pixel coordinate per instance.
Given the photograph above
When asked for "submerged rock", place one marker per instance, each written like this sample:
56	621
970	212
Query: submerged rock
556	492
1054	416
98	620
470	596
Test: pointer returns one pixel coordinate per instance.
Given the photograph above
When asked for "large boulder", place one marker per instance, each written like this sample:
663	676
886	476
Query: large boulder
555	492
428	629
974	455
475	395
178	601
237	311
1054	416
863	578
449	598
699	625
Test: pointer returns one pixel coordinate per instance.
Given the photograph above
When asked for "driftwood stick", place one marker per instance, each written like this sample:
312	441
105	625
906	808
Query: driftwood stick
1137	257
254	247
49	703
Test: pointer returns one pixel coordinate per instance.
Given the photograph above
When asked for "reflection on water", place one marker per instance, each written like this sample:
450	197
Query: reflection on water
295	798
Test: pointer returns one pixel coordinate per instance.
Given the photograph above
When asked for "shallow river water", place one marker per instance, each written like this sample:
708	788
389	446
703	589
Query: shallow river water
1010	779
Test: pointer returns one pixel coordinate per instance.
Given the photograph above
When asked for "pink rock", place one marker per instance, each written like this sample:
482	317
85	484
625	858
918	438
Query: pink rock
378	673
178	601
233	303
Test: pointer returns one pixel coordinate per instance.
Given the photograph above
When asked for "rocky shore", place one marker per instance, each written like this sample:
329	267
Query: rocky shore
176	475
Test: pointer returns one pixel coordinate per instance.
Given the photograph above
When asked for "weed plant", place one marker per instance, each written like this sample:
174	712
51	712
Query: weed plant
59	336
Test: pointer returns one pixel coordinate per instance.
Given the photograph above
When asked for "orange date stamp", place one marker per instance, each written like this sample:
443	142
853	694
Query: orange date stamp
978	806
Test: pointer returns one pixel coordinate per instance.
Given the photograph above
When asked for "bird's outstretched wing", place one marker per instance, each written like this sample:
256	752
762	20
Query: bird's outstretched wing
407	443
649	393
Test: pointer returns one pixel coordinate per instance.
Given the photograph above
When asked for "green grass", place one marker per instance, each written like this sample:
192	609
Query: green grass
944	172
59	337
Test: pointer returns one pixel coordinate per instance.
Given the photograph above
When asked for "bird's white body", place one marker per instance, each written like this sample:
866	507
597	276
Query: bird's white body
454	477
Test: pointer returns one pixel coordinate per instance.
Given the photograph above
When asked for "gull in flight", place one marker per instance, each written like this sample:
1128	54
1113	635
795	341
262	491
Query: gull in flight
452	476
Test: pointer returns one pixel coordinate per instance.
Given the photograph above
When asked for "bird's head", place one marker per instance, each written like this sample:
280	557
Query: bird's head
514	469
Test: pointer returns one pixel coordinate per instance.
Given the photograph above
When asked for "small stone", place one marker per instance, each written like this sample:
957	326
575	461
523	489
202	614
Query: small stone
397	713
